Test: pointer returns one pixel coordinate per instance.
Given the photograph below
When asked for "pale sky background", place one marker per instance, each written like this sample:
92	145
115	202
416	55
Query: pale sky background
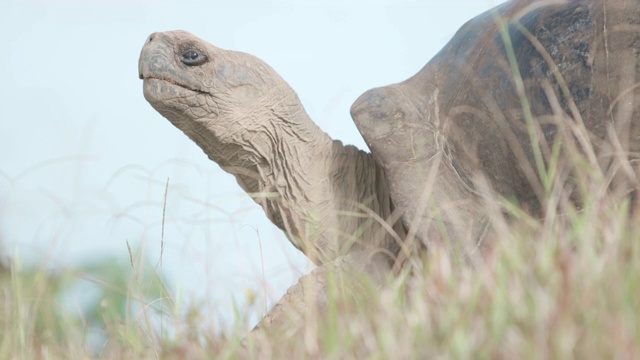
84	159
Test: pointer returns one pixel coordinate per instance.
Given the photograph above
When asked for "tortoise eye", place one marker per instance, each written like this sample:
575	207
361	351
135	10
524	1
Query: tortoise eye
193	58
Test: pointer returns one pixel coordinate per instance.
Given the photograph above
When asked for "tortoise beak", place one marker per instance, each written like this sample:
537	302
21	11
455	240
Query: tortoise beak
143	61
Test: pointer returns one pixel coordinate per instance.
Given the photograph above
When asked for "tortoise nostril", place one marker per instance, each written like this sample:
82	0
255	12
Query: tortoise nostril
150	38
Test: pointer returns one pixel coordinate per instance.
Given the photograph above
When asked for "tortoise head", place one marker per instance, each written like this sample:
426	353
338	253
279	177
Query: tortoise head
225	96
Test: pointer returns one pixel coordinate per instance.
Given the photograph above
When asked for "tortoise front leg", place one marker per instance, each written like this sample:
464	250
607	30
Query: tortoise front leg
302	310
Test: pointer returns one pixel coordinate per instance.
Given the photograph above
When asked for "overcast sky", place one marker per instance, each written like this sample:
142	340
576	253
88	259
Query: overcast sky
84	159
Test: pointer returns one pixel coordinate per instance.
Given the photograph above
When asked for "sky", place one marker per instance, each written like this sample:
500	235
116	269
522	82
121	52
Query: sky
85	161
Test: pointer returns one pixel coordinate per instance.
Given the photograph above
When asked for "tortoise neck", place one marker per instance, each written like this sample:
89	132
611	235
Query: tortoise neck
327	197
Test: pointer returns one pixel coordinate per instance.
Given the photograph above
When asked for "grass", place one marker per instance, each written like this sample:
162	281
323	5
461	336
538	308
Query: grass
567	287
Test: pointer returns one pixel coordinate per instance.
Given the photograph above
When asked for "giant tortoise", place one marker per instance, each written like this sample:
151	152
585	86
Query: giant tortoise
479	123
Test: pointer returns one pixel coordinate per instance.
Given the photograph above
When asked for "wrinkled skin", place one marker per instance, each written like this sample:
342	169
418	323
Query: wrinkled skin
443	142
250	122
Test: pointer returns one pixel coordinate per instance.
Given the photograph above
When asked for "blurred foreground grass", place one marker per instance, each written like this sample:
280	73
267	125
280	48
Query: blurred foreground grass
564	287
114	309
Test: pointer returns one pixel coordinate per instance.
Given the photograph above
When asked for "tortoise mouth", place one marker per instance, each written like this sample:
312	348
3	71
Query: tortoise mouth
150	79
